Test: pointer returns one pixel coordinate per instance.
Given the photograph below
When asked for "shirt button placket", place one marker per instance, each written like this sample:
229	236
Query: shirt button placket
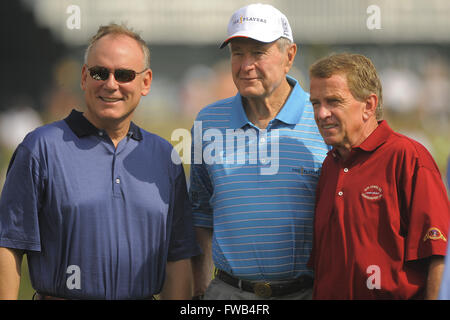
262	150
340	192
116	176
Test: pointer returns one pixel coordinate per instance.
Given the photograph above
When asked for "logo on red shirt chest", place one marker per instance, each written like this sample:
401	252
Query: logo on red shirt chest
372	192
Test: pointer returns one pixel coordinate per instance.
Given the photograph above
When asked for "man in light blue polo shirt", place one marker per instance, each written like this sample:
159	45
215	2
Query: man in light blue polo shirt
95	202
256	162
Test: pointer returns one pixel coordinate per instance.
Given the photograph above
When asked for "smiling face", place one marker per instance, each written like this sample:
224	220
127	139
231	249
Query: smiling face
259	68
110	102
343	121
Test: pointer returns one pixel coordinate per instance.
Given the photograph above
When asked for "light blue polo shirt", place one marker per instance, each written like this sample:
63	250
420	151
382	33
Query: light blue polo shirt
257	193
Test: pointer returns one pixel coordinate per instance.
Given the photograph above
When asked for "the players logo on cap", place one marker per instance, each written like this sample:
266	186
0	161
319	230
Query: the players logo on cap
261	22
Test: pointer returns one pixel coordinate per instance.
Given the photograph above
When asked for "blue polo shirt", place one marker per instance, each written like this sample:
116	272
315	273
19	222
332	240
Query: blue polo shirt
258	193
96	221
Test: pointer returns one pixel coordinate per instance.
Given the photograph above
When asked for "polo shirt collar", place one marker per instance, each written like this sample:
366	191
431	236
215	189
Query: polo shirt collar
82	127
373	141
292	110
377	137
289	114
238	116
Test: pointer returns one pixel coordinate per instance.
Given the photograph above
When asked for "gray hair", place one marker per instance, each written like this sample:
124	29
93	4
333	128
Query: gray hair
283	43
116	29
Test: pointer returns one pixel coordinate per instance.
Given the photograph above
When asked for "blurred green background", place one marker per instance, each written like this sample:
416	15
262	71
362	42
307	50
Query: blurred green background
26	290
42	56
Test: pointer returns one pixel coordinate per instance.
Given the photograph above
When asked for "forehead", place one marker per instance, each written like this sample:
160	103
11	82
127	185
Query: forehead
116	49
334	85
241	42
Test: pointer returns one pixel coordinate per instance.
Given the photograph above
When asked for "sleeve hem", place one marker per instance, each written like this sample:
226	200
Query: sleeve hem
20	244
436	251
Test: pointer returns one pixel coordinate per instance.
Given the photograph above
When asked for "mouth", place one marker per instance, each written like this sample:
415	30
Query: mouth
249	79
328	126
328	129
110	100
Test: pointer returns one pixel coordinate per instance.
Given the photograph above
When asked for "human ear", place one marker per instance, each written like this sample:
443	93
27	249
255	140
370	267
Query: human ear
290	56
370	107
146	82
84	74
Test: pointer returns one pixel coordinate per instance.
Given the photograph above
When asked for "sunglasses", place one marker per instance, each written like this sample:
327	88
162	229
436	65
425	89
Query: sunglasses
121	75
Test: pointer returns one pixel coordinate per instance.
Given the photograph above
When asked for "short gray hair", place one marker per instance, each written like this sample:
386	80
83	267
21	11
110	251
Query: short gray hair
116	29
283	43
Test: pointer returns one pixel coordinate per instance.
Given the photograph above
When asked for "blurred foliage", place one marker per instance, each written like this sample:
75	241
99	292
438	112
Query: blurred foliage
26	291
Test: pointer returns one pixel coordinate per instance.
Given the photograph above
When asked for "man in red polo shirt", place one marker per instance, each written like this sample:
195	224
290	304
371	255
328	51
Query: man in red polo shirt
382	211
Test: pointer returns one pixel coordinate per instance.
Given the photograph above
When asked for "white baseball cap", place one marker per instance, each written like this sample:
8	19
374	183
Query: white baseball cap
261	22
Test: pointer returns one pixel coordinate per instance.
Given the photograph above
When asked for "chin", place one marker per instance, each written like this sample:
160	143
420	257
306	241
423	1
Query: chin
330	141
118	114
249	90
250	93
108	113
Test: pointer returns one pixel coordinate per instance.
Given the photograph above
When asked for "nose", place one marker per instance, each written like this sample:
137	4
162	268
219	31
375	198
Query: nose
111	83
247	62
321	112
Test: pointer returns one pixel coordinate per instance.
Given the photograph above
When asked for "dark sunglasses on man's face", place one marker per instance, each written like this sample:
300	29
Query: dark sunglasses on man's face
121	75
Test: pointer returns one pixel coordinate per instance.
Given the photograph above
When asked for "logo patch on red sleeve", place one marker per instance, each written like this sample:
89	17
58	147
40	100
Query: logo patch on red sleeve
434	234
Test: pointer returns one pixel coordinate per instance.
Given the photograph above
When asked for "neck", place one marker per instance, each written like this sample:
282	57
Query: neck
116	129
116	134
345	149
260	110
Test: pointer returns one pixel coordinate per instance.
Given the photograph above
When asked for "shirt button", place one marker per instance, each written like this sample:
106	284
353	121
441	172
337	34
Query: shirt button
100	133
117	180
345	169
262	140
263	160
340	193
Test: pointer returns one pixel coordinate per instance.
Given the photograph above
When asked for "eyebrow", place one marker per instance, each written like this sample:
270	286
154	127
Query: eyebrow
331	97
334	97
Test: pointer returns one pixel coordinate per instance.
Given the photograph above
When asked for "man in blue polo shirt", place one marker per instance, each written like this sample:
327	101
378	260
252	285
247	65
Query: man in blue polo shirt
95	202
253	194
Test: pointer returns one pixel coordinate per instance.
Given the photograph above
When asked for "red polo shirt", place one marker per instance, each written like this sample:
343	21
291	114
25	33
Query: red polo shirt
378	214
